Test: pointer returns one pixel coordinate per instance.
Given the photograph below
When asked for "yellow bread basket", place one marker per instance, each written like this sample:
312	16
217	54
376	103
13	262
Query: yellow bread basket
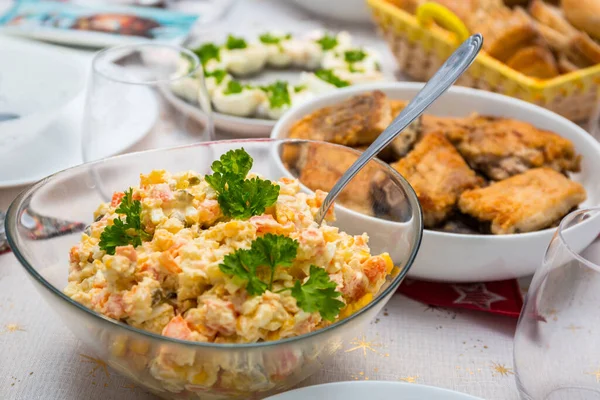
420	49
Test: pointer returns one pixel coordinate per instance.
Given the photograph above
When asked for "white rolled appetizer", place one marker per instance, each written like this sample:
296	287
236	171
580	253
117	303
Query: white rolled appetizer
358	77
187	88
277	101
328	42
301	94
238	99
242	58
356	60
304	54
275	43
215	79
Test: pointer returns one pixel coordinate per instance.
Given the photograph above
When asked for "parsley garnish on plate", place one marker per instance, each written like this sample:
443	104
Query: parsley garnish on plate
269	38
328	76
278	94
352	56
123	233
317	294
327	42
235	43
299	88
233	87
239	197
207	52
218	74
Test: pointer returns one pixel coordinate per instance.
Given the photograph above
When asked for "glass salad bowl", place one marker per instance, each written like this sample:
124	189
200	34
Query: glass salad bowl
180	369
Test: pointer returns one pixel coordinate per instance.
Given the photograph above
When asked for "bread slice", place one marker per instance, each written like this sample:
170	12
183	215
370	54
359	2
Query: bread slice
584	15
534	61
505	31
551	16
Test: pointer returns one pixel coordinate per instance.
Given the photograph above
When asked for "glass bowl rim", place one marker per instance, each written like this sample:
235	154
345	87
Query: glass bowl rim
10	225
102	53
562	227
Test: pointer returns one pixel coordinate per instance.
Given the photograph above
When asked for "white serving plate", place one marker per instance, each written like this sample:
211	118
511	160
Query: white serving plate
36	83
375	390
246	127
477	258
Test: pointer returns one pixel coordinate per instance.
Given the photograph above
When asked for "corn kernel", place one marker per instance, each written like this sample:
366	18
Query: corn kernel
154	177
199	378
389	264
117	348
138	346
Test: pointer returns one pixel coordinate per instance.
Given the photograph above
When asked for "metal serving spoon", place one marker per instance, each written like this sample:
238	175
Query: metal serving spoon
452	69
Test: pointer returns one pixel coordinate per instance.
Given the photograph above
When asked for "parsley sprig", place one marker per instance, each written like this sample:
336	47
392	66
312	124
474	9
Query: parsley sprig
239	197
317	294
234	42
278	94
269	38
207	52
327	42
218	74
123	233
352	56
329	76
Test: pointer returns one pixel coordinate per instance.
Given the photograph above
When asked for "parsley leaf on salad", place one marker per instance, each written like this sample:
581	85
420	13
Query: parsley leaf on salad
329	76
239	197
234	42
318	294
123	233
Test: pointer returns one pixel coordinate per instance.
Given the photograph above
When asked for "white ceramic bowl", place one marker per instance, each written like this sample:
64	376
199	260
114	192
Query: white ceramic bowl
477	258
36	83
342	10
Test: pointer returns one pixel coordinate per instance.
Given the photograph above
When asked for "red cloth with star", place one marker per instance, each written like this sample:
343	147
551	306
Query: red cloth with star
501	297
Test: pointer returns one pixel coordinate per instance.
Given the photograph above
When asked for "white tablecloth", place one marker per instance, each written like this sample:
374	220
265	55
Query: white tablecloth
465	351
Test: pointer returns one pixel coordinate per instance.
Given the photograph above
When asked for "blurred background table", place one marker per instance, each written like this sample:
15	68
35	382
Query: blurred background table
465	351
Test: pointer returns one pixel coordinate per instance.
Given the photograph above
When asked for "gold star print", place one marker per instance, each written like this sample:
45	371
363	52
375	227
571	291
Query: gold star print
98	364
573	328
362	344
596	373
409	379
11	328
130	386
501	369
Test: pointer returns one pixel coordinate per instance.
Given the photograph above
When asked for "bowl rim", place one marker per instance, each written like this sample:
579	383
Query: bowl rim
293	115
12	216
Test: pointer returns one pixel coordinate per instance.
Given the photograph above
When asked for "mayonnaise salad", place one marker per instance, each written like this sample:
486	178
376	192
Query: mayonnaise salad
224	258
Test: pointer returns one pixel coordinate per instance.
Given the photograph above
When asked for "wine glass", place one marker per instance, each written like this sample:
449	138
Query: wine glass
556	348
130	95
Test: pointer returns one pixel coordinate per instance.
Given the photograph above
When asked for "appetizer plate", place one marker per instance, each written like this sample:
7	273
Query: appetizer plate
373	391
469	257
59	145
251	127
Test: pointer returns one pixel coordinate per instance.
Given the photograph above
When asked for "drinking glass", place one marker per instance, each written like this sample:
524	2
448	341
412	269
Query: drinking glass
556	348
144	96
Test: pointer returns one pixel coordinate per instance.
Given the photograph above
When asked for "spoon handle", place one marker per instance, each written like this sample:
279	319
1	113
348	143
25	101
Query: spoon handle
452	69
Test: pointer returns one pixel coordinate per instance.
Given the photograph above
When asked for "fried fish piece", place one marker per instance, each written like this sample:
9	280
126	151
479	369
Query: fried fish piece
523	203
320	167
502	147
354	122
438	175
